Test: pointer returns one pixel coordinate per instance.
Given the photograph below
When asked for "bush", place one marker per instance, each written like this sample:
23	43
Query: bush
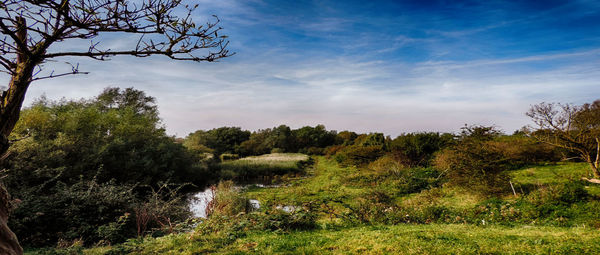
228	201
75	212
228	156
404	180
520	150
358	155
475	162
279	220
417	149
567	193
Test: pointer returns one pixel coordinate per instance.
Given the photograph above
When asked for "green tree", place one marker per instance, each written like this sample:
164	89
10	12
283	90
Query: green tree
33	31
572	127
313	137
475	161
95	139
417	149
67	149
219	140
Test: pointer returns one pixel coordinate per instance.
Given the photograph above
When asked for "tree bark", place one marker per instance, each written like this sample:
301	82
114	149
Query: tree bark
595	170
11	101
9	244
10	107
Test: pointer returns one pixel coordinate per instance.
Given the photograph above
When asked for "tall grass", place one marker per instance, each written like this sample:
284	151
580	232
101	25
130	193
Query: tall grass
264	167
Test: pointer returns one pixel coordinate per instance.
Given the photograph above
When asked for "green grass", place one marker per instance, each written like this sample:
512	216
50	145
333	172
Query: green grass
425	239
326	181
553	174
248	168
398	239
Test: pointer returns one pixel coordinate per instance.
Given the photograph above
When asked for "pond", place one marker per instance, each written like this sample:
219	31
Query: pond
200	201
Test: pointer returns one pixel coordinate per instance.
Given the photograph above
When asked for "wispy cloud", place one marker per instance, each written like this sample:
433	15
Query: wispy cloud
315	63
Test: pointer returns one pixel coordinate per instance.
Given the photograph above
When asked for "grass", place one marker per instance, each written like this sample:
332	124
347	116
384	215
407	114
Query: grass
554	174
551	173
397	239
249	168
424	239
326	181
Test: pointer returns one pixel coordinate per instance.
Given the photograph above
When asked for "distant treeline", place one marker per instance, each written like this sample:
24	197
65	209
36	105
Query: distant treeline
350	148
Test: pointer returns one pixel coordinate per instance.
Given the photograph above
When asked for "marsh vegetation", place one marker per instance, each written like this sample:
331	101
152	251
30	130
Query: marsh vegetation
100	176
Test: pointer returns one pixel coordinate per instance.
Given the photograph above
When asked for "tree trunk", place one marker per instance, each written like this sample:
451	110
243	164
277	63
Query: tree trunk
9	244
10	108
11	101
595	170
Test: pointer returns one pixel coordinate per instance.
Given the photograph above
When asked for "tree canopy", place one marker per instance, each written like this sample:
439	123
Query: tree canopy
31	30
572	127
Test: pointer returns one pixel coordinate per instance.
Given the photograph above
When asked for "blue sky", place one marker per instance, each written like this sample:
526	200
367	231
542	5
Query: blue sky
366	66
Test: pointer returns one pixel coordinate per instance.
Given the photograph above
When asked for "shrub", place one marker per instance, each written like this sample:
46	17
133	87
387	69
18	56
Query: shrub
475	162
74	212
358	155
566	193
277	219
520	150
228	156
403	180
228	200
417	149
277	150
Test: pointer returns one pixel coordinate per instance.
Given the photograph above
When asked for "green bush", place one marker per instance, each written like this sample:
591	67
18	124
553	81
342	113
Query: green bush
565	193
74	212
358	155
417	149
475	162
228	200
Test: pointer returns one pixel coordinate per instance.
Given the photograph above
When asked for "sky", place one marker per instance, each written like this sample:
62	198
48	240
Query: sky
364	66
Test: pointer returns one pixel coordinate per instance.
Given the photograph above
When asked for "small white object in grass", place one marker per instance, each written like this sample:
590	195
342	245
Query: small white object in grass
254	204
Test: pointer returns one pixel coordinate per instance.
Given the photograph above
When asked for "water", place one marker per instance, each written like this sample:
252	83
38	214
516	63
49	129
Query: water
200	201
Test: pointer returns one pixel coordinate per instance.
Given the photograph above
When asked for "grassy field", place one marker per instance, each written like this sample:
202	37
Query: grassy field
554	174
489	231
276	164
397	239
324	182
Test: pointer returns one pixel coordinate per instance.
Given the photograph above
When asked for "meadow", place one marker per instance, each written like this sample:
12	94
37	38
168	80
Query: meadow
446	220
264	168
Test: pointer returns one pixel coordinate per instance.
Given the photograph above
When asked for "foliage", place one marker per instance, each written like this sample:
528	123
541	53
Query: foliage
380	239
417	149
523	150
115	136
475	162
219	140
358	155
575	128
335	206
308	139
83	210
82	166
346	137
228	201
265	166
